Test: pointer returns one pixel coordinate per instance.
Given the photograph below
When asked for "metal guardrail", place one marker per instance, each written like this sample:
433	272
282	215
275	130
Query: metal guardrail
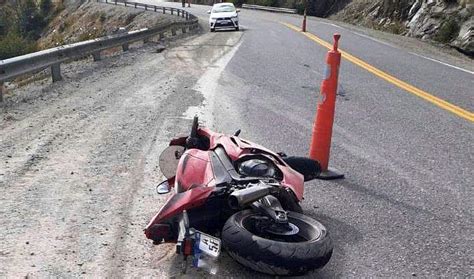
269	9
53	57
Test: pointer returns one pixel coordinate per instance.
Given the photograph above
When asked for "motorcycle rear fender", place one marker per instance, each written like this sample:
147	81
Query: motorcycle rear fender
178	202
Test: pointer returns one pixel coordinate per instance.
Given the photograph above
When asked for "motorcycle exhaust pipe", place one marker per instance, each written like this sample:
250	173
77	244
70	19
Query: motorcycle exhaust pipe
241	198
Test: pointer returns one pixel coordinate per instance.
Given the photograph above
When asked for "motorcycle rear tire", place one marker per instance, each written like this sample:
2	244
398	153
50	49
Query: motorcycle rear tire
276	257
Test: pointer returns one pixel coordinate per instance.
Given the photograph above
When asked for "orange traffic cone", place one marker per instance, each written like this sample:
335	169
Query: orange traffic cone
322	128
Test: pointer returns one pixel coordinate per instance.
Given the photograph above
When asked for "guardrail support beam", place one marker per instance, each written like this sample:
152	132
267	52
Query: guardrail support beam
96	56
56	72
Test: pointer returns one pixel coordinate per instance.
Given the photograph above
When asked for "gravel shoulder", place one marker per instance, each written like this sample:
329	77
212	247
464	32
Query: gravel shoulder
79	161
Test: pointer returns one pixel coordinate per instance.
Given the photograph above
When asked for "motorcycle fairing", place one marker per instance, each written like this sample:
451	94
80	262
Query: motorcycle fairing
236	148
178	202
194	168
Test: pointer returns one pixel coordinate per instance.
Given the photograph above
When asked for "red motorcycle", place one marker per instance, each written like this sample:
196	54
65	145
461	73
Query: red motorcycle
230	189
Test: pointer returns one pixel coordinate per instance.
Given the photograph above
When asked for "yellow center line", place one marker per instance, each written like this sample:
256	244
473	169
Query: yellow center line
399	83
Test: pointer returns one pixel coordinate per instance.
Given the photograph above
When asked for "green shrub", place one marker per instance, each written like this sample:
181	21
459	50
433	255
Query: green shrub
31	22
448	31
103	17
3	26
46	8
13	45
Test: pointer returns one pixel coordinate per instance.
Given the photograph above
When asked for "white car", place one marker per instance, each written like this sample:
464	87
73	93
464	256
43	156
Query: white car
223	15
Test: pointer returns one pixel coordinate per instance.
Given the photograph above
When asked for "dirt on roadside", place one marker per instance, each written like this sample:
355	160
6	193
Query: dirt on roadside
79	161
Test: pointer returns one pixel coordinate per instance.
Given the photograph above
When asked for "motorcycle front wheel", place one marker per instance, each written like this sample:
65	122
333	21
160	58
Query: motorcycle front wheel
309	246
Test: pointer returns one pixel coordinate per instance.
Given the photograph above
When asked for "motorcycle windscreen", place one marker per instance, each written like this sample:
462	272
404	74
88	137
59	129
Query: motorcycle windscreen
169	160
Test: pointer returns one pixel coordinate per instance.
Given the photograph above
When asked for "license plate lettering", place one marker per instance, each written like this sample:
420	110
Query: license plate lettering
208	244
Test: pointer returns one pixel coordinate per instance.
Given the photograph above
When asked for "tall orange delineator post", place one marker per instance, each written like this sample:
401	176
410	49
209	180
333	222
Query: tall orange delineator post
303	27
322	128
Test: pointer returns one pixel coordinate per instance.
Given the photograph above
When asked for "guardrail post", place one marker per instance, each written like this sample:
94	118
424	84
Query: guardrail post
125	47
56	72
173	32
146	7
1	92
177	11
183	29
172	10
125	3
96	56
135	5
115	2
182	14
161	36
155	9
187	16
164	10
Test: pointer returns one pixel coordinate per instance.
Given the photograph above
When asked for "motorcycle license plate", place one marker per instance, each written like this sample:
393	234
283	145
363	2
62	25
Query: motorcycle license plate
207	244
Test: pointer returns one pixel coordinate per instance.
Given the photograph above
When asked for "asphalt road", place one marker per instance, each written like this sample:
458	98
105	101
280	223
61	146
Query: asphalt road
404	208
406	205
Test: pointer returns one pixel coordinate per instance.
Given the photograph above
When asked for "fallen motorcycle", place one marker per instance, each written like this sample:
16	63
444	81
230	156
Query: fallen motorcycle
230	189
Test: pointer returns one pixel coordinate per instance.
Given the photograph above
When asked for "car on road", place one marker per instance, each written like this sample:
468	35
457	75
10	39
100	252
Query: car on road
223	16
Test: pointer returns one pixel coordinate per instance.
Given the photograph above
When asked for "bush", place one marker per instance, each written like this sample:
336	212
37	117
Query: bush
46	8
13	45
31	22
449	30
3	26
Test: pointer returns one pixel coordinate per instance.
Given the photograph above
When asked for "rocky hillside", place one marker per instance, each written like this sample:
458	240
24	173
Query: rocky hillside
448	22
79	22
30	25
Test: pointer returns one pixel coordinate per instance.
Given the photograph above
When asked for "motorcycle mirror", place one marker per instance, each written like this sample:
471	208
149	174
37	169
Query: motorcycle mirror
237	133
169	160
163	188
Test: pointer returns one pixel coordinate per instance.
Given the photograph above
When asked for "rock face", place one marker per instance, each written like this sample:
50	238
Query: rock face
465	39
445	21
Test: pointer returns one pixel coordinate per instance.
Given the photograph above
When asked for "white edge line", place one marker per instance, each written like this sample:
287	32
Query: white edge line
441	62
